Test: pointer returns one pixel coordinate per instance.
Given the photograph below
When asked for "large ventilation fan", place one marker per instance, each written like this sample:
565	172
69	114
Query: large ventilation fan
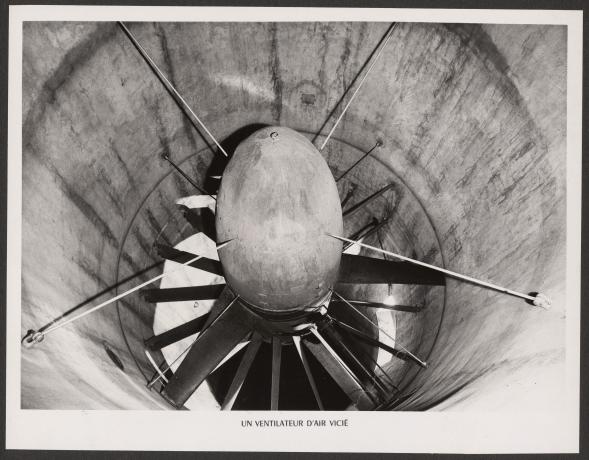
281	267
282	264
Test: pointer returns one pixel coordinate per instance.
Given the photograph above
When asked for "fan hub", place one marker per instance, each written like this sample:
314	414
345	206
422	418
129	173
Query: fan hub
277	201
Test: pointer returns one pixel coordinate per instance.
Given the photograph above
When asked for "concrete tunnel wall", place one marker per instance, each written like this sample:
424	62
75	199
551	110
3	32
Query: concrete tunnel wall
473	122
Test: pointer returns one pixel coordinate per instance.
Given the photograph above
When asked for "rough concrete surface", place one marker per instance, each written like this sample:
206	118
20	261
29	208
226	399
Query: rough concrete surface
473	124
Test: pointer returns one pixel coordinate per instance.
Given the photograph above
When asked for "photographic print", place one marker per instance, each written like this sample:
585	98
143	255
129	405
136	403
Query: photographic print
287	225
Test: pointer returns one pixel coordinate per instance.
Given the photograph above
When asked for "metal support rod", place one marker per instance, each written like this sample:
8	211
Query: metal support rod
383	372
364	202
378	144
176	255
297	342
349	195
114	299
384	256
335	356
169	85
376	378
336	338
169	366
101	293
375	60
419	361
276	361
166	157
358	235
369	232
38	336
449	273
361	335
155	366
155	372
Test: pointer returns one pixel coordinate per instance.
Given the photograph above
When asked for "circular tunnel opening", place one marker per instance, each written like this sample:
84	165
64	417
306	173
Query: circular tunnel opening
470	161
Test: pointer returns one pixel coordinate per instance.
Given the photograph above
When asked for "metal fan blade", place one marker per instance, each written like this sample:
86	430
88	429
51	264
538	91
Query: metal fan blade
157	342
368	270
170	253
236	349
364	304
297	341
201	220
276	361
198	201
340	373
365	337
219	306
211	291
242	371
356	365
212	345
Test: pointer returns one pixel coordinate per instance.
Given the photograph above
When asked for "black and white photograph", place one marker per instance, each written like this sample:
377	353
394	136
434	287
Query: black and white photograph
281	221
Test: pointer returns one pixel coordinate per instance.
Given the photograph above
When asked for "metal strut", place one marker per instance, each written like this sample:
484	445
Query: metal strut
378	144
175	94
166	157
33	337
366	338
369	231
368	200
538	300
374	61
415	358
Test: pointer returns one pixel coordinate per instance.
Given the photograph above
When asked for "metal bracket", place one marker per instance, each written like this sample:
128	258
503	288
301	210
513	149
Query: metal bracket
31	338
540	300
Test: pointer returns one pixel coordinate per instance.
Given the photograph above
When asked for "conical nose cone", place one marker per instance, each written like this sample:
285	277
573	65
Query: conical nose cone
277	201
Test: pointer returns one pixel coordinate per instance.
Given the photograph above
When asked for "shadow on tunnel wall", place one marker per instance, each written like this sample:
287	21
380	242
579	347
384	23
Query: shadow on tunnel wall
229	144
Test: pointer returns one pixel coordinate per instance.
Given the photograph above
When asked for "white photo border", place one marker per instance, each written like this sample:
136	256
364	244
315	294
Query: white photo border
440	432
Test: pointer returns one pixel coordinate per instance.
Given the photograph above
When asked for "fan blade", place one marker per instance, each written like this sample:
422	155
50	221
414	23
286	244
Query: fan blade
157	342
382	374
170	253
242	371
356	366
297	341
339	372
198	201
368	270
364	304
211	291
201	220
276	360
236	349
219	306
362	336
209	349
